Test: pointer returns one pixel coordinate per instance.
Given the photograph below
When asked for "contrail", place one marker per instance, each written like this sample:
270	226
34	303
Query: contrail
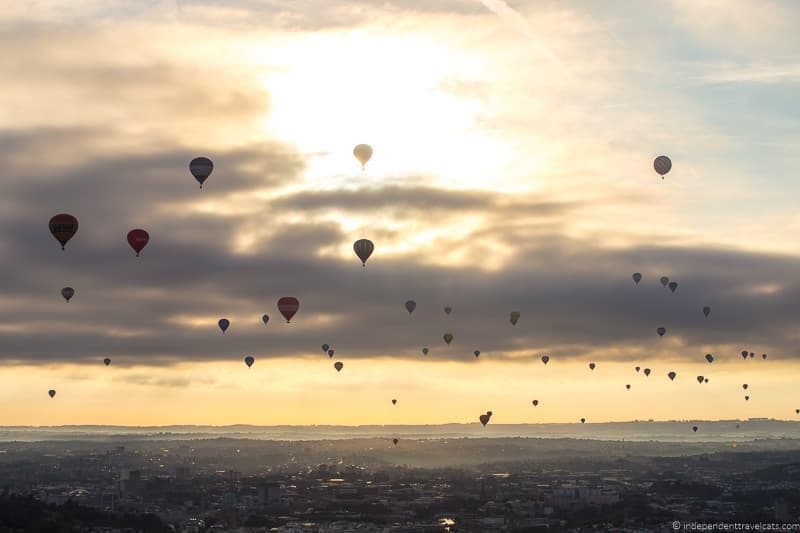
515	18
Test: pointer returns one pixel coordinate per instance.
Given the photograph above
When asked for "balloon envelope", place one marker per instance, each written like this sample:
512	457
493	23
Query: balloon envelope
583	420
67	293
424	351
637	368
700	379
448	310
395	441
363	249
448	338
694	428
394	402
545	359
325	348
138	239
646	371
672	375
476	353
51	392
664	280
223	324
106	361
330	353
410	306
661	331
514	317
63	227
535	402
673	285
662	164
249	360
338	365
362	152
484	419
591	366
707	310
288	306
628	387
709	358
265	319
201	168
637	277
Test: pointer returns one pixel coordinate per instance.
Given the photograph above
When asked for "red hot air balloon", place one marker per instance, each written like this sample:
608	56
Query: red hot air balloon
138	239
288	306
63	227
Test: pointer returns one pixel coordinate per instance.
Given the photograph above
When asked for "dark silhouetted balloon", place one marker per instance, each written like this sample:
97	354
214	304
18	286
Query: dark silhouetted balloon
107	361
63	227
338	365
410	306
325	348
249	360
637	277
628	387
707	311
448	338
224	324
797	411
752	354
330	353
395	441
201	168
664	280
424	351
746	398
745	386
673	286
661	331
484	419
265	319
363	249
67	293
637	368
591	366
138	239
477	353
672	376
394	402
489	413
646	371
694	428
744	354
535	402
514	317
288	306
545	359
709	358
662	164
706	380
448	310
362	152
51	392
700	379
763	356
583	420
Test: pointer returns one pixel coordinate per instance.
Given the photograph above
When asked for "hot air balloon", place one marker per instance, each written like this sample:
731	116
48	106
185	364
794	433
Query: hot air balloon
752	354
583	420
249	360
514	317
661	331
106	361
223	324
764	356
325	348
330	353
362	152
363	249
628	386
707	310
138	239
672	376
700	379
646	371
591	366
484	419
265	319
745	386
709	358
67	293
489	413
288	306
637	277
664	280
797	411
51	392
746	398
394	402
448	338
338	365
410	306
637	368
63	227
662	165
535	402
477	353
395	441
694	428
673	285
201	168
448	310
706	380
744	354
424	351
545	359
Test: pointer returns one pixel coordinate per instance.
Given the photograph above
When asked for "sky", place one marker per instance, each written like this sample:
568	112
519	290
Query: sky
512	170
